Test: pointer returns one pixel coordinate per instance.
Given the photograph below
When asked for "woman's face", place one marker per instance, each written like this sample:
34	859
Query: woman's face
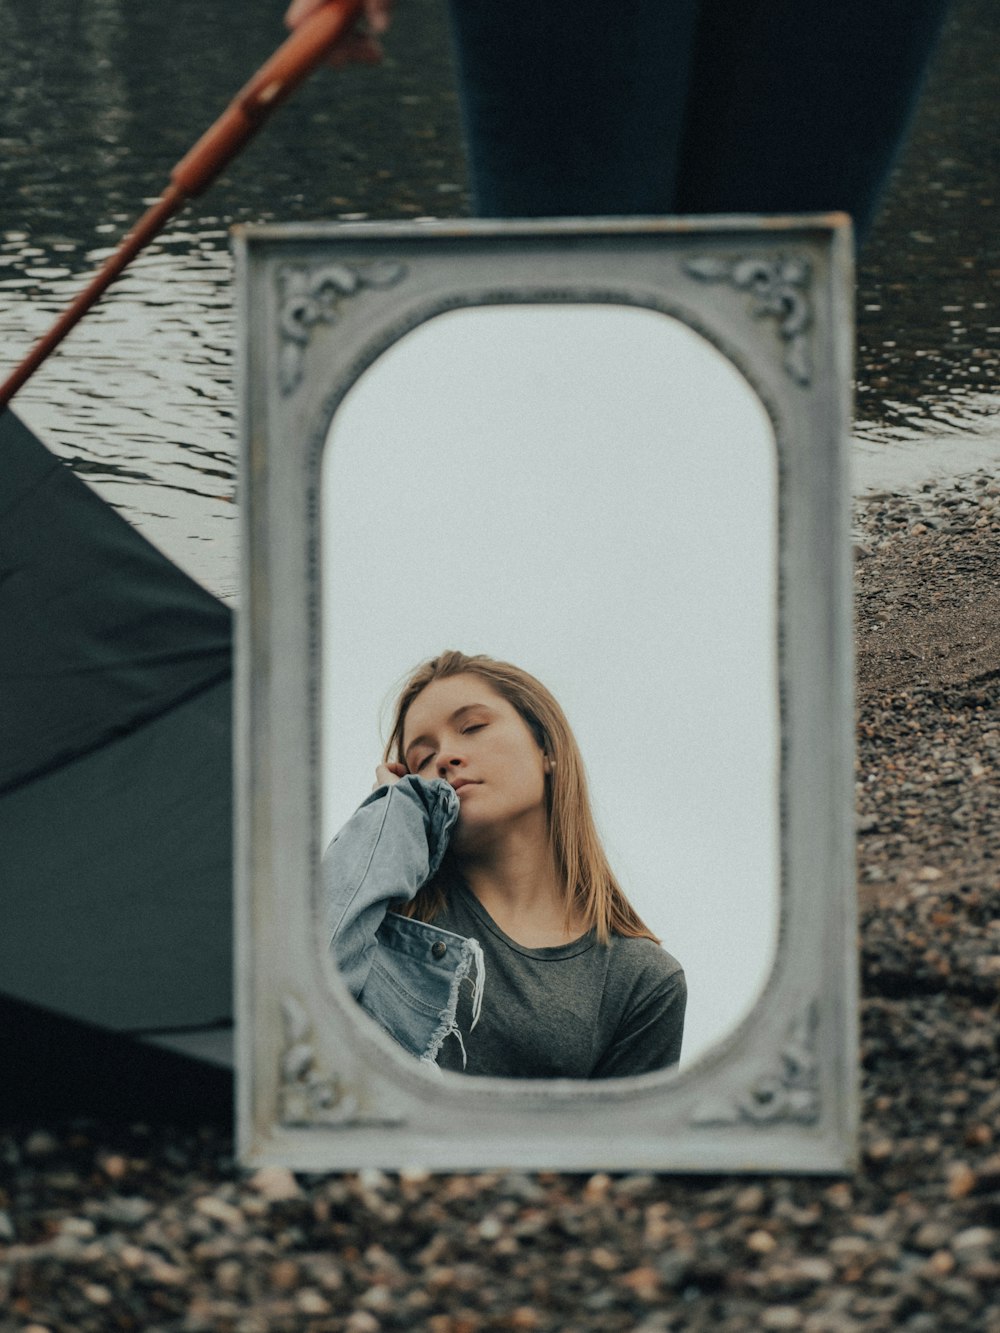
462	730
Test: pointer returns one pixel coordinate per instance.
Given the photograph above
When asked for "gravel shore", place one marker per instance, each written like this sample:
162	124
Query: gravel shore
152	1228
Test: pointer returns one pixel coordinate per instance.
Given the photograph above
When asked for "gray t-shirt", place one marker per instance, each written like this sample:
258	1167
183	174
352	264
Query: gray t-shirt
580	1010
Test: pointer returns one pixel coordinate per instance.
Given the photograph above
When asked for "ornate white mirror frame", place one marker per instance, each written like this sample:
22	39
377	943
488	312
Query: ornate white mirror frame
319	1086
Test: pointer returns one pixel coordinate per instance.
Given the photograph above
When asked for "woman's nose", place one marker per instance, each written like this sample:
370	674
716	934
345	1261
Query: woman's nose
447	760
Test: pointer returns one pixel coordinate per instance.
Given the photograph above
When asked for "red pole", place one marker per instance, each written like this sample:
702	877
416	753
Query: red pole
293	61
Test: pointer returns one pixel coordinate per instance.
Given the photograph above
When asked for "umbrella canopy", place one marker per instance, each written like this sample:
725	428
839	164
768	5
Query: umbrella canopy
115	789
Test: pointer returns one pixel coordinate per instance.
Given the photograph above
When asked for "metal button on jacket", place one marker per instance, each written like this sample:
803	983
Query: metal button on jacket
439	948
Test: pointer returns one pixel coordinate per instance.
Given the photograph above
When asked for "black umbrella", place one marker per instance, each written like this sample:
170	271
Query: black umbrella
115	752
115	797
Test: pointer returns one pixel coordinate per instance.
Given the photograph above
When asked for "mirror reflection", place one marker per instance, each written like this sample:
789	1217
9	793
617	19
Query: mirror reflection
588	492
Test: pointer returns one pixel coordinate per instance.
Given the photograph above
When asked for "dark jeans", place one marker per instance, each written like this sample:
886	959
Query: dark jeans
591	107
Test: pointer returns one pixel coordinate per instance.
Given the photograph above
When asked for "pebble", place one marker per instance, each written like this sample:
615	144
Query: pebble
229	1276
114	1166
645	1282
761	1242
209	1205
165	1274
126	1212
275	1183
525	1317
961	1180
372	1180
749	1200
941	1263
932	1236
360	1321
605	1259
812	1269
414	1175
781	1317
309	1301
284	1275
973	1241
41	1144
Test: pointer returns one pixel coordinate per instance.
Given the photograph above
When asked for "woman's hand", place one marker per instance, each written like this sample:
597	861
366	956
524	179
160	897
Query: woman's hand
360	46
387	774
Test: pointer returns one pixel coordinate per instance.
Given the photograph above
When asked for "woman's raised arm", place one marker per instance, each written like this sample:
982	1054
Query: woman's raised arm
392	844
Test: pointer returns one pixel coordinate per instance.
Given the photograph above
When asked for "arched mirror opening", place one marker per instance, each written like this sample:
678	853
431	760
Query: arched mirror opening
588	491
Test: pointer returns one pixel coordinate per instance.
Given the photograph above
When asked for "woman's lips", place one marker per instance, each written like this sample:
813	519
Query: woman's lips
463	784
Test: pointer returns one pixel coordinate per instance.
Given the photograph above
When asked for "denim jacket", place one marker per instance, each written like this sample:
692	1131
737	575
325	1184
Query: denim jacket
406	974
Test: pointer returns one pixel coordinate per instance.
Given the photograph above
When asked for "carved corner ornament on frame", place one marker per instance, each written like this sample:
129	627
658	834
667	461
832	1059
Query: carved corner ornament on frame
788	1092
312	294
781	289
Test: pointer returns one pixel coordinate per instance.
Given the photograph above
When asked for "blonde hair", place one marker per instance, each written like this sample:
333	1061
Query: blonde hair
592	892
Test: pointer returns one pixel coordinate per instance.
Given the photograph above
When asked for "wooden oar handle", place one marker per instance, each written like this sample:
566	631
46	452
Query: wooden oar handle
297	57
276	78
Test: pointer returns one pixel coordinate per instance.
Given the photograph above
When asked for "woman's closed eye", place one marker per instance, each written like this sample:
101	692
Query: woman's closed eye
422	763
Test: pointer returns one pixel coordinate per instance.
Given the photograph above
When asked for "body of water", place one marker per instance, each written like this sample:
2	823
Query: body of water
103	96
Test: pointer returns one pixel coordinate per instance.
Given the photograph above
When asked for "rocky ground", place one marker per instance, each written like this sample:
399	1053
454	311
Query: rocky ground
149	1228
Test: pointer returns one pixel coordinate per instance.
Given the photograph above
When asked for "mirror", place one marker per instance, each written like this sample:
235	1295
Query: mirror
588	491
612	452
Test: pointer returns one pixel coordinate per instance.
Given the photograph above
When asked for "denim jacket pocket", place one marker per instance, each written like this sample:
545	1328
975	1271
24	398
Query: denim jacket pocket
414	983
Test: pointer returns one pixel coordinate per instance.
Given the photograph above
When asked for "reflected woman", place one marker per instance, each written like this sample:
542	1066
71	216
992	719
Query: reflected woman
469	904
